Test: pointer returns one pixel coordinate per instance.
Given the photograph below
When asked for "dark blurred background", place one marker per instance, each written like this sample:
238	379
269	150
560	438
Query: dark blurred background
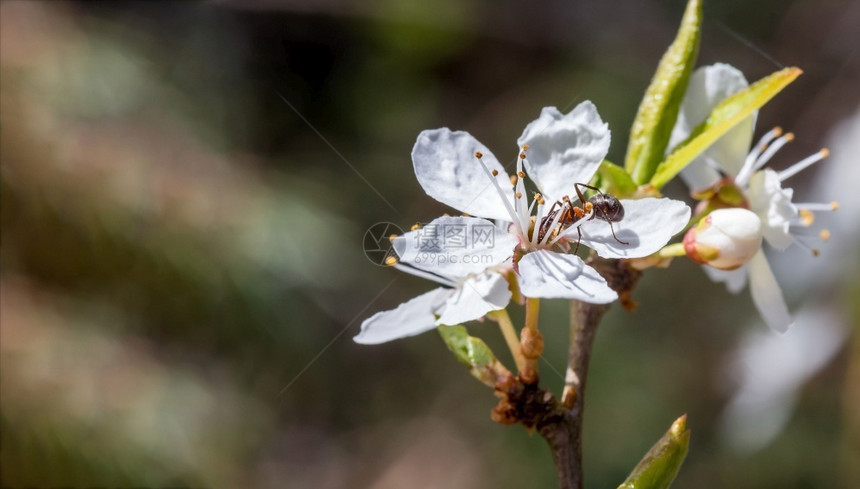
186	186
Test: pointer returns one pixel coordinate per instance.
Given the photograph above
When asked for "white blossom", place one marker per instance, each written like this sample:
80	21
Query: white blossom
731	164
557	151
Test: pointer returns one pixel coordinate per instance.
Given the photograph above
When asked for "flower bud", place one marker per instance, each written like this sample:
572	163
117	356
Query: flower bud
725	238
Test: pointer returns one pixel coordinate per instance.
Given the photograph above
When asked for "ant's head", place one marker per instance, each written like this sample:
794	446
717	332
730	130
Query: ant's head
607	208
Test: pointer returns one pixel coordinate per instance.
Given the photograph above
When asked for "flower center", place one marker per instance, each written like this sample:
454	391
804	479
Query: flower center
539	230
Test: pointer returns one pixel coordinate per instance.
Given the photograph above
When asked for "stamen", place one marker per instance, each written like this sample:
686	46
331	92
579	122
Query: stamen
391	237
807	218
532	205
391	261
495	173
421	273
803	232
552	226
525	147
818	206
753	155
521	205
508	206
814	251
803	164
771	150
538	218
415	227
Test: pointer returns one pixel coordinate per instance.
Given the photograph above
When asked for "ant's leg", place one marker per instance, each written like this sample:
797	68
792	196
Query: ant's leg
589	187
579	193
614	236
578	239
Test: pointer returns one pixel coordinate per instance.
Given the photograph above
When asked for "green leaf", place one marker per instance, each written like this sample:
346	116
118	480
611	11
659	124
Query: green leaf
725	116
614	180
473	353
659	108
660	465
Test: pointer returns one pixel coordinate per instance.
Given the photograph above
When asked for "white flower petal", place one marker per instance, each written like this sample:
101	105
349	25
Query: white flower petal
773	205
408	319
767	295
701	173
735	280
647	226
564	149
551	275
448	170
769	370
708	86
475	297
455	246
751	421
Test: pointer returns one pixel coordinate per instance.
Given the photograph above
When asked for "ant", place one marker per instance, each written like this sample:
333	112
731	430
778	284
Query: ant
606	208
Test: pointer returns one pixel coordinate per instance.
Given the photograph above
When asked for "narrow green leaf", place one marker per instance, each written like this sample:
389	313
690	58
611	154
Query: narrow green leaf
660	465
614	180
725	116
659	108
472	352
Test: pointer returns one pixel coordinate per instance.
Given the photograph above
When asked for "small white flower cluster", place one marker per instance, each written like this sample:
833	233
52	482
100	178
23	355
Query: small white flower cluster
730	174
530	239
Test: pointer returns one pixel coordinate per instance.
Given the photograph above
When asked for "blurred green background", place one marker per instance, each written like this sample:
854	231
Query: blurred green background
186	186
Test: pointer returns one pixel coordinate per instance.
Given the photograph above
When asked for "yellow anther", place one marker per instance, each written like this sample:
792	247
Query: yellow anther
522	156
824	235
391	238
479	155
806	217
391	260
513	179
589	206
777	131
815	252
519	195
415	227
495	173
525	147
834	205
789	137
521	174
824	152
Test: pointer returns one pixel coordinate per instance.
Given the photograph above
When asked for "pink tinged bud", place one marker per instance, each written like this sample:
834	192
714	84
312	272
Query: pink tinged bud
725	239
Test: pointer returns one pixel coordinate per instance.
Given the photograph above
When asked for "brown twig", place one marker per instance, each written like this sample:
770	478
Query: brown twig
560	422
